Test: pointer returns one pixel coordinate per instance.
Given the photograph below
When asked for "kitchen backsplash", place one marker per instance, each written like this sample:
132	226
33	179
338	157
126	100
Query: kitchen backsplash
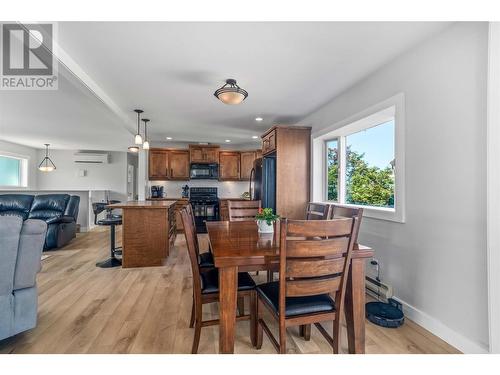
227	189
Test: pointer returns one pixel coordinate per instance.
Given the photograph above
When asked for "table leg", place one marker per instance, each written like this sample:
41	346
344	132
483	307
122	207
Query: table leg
355	307
228	280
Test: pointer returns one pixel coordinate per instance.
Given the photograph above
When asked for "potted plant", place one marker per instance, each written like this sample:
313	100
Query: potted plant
265	219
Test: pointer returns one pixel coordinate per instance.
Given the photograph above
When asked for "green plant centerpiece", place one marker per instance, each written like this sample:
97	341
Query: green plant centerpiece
265	219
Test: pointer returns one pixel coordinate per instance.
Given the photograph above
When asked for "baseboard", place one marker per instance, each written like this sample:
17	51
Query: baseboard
442	331
84	229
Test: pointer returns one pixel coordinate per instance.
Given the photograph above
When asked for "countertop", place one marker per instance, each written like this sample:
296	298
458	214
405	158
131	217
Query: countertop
144	204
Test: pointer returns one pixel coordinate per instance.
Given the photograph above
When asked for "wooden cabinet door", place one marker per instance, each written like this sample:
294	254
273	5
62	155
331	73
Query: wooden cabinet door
210	154
158	165
229	165
247	159
179	165
196	155
269	142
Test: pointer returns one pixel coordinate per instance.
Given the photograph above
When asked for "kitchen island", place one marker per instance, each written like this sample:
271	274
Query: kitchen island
148	232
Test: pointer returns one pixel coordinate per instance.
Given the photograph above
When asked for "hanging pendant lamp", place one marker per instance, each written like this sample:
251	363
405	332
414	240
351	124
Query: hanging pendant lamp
145	145
138	137
231	93
47	165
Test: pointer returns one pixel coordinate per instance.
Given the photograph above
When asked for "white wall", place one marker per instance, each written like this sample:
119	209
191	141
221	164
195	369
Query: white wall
436	261
112	176
28	152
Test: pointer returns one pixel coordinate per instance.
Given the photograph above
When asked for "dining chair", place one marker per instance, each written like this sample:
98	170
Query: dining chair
206	286
206	259
243	210
337	211
317	211
315	256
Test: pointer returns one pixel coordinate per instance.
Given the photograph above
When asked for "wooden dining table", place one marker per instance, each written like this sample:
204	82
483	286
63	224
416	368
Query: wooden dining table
238	247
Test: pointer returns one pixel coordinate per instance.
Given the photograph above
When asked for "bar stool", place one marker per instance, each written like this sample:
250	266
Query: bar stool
113	261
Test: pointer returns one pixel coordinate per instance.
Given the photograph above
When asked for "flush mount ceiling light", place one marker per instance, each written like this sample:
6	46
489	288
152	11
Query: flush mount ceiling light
228	140
47	165
255	136
145	145
259	119
133	149
138	137
169	138
231	93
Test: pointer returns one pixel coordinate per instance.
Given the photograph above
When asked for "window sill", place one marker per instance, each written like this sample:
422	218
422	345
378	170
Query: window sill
379	213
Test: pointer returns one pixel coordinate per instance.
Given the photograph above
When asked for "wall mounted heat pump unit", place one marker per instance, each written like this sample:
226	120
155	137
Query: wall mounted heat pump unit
91	158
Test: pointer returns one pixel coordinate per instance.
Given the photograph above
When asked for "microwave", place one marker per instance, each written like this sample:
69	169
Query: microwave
204	171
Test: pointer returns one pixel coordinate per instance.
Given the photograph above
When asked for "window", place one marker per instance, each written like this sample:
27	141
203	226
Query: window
361	161
13	171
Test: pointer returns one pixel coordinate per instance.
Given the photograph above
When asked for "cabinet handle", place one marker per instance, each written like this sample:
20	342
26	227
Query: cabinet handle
171	172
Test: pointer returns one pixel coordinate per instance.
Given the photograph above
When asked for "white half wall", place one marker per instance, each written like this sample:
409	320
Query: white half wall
436	261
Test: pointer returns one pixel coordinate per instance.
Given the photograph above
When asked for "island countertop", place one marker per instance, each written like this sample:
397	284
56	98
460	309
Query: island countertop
143	204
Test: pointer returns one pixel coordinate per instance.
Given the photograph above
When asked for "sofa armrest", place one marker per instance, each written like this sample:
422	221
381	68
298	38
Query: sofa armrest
29	253
10	229
67	219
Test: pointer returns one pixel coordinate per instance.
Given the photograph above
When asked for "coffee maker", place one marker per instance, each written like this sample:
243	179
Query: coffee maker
157	191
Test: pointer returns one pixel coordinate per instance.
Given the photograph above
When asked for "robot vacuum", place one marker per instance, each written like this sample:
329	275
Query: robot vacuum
389	315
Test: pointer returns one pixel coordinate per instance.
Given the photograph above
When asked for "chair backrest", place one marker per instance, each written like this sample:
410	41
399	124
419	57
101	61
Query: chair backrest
317	211
243	210
192	245
314	258
337	212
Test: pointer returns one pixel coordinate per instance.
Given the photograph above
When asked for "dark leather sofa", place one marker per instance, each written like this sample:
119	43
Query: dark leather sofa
59	211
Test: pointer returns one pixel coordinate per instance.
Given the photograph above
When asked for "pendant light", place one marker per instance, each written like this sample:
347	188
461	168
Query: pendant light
145	145
138	137
231	93
47	165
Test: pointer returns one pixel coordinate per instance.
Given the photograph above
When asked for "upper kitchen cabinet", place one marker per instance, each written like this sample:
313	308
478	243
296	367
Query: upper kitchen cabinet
229	165
269	141
204	154
158	164
178	162
246	159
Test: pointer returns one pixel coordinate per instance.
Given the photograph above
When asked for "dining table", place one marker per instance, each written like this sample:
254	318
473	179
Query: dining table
237	246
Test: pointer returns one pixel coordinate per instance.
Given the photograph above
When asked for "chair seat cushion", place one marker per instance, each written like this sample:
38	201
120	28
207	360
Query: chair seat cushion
206	260
295	305
210	281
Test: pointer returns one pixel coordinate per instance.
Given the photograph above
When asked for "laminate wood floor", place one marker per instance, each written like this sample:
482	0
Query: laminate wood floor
85	309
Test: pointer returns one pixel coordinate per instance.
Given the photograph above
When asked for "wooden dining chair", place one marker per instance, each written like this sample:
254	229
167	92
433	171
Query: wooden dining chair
206	259
206	286
315	256
317	211
243	210
337	211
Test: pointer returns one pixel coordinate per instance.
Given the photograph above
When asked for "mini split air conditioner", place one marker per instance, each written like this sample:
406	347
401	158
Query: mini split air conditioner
378	289
91	158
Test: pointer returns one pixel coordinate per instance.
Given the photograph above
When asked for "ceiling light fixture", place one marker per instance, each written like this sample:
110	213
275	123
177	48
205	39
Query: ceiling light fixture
228	140
259	119
133	149
138	137
145	145
255	136
231	93
169	138
47	165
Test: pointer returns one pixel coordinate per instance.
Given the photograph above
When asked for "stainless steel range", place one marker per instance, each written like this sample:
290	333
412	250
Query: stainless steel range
205	203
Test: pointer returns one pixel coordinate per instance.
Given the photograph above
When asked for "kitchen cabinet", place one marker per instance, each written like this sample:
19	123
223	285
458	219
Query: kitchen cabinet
269	142
178	162
246	163
204	154
158	164
229	165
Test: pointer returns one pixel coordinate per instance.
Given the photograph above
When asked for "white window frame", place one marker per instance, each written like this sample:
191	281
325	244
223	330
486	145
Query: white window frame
23	173
392	108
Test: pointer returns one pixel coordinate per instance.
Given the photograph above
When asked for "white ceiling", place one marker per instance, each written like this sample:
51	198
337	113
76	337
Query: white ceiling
172	69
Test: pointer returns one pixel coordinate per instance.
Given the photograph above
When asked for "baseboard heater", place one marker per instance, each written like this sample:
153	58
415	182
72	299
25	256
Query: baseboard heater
378	289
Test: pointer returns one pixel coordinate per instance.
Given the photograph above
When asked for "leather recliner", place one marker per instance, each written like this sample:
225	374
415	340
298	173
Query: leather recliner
59	211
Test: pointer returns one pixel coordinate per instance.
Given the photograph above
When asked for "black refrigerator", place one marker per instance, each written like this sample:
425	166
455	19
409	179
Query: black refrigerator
263	181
